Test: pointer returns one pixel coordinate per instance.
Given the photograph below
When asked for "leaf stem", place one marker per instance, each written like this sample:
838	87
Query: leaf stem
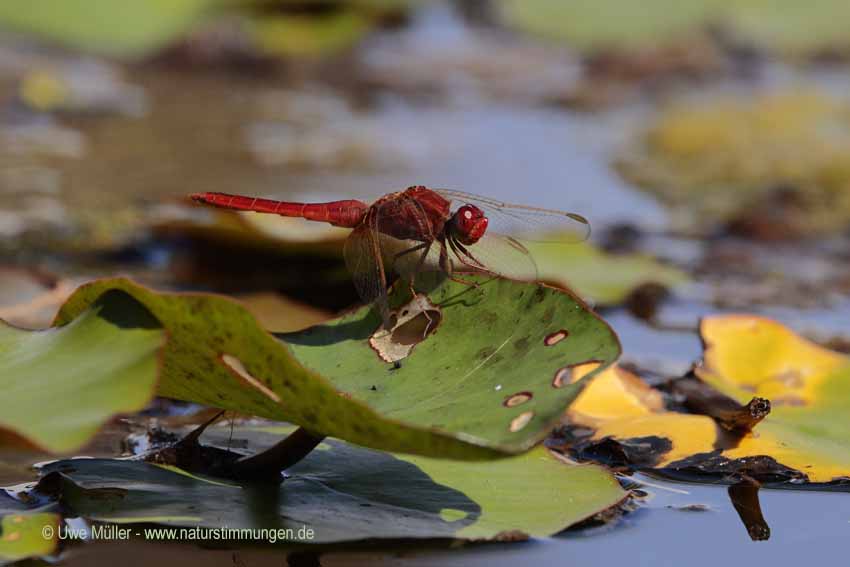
267	465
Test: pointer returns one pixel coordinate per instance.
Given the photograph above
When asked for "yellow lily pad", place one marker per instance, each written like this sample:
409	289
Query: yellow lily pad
719	159
803	438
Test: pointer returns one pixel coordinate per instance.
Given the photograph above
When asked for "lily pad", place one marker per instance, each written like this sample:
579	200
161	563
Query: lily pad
809	388
309	35
792	27
448	399
786	26
596	275
802	439
720	159
61	385
608	23
25	533
128	29
343	493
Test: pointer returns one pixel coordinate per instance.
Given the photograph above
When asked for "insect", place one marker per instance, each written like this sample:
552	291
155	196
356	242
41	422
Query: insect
420	228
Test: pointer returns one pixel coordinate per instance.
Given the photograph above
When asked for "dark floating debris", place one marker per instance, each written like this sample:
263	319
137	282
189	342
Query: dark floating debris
701	398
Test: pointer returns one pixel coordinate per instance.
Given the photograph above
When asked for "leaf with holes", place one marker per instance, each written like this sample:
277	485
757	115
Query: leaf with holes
481	385
344	492
802	439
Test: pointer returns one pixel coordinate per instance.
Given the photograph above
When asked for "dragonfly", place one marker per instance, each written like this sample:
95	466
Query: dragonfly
407	232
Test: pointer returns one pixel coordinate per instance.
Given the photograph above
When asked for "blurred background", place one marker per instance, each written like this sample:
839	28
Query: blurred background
708	142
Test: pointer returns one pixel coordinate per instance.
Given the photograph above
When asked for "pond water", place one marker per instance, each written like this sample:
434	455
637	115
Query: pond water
676	524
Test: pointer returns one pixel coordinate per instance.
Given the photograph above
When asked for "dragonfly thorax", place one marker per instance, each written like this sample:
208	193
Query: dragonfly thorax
468	224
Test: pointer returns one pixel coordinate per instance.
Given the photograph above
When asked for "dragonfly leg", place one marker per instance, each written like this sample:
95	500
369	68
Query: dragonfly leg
446	266
425	247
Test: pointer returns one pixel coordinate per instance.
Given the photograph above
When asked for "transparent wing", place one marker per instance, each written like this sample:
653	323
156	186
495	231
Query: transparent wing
495	254
363	259
527	223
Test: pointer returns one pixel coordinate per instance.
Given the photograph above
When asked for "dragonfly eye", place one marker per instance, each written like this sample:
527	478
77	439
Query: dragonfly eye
470	224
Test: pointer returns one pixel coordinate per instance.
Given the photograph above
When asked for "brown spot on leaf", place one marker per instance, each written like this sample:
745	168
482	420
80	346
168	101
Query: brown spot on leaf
522	344
556	337
12	536
517	399
485	352
521	421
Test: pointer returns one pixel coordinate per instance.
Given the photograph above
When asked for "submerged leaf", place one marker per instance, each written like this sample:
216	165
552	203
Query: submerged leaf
343	493
447	399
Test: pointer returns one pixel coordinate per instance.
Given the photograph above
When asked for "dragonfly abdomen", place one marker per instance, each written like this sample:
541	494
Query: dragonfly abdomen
348	213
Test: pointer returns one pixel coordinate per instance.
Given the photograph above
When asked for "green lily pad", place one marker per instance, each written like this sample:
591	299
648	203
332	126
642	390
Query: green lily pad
484	385
345	493
127	29
588	24
792	27
596	275
61	385
785	26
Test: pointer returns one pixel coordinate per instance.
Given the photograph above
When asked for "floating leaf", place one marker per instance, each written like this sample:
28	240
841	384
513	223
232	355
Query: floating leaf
792	27
343	493
61	385
802	439
128	29
786	26
597	276
280	314
607	23
309	35
447	399
809	388
723	158
25	533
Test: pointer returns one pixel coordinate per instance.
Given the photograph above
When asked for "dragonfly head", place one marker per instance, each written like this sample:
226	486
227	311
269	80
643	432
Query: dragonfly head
469	224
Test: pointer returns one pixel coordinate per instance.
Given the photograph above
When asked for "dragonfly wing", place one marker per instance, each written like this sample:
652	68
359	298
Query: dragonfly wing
527	223
364	262
495	254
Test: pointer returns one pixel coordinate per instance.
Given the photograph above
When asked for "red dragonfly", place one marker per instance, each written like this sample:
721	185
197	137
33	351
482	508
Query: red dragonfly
420	228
